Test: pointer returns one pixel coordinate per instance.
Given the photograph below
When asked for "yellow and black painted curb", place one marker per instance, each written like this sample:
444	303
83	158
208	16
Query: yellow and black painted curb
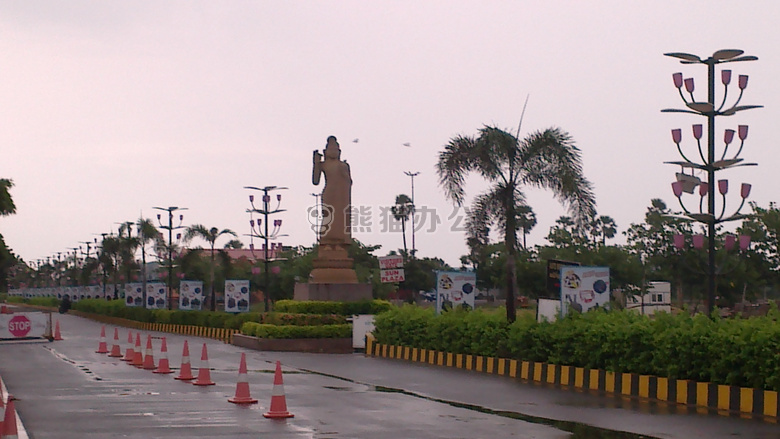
724	399
222	334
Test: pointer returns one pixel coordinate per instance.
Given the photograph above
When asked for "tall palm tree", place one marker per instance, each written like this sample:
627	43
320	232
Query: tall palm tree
7	206
602	228
526	220
402	209
545	159
209	235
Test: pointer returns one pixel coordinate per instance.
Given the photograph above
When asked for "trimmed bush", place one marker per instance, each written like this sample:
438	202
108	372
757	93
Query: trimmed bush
262	330
326	307
738	352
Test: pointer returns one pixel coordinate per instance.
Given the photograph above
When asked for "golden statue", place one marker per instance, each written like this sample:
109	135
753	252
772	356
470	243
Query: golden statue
333	264
336	197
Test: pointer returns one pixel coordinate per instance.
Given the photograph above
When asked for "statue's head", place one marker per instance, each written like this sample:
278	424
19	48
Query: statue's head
332	150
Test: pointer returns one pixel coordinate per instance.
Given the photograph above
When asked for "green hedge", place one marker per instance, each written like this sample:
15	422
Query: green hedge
211	319
339	308
290	331
739	352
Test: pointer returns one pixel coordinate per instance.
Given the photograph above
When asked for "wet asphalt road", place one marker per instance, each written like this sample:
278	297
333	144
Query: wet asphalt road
66	390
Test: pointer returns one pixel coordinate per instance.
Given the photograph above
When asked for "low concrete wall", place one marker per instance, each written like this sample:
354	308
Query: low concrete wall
310	345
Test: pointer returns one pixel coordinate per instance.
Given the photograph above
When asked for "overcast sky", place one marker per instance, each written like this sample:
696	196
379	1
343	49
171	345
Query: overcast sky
111	108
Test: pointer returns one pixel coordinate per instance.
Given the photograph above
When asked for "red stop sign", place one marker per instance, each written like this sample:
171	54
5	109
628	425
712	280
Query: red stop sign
19	326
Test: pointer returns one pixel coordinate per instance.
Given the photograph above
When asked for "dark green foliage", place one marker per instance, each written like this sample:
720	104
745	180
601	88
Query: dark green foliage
739	352
340	308
291	331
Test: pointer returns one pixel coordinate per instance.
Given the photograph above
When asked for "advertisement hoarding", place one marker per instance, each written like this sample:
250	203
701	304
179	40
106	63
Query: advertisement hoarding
454	289
584	288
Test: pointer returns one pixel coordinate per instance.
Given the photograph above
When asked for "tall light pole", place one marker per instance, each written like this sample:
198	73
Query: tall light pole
317	204
170	228
710	161
265	233
412	175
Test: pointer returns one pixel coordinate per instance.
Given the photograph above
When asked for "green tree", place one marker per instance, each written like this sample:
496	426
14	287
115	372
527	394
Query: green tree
526	220
402	209
209	235
546	159
602	228
7	207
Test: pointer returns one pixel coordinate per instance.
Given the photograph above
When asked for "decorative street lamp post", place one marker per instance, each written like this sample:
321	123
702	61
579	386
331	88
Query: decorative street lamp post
414	207
710	161
264	232
170	228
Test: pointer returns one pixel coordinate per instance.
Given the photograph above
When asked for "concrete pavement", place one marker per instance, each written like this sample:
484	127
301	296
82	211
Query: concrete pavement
67	390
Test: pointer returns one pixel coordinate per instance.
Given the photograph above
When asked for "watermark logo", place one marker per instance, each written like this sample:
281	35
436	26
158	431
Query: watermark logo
320	217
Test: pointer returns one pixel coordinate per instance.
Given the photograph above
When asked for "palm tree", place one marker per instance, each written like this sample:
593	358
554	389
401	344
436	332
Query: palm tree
604	227
7	206
526	220
210	235
401	210
545	159
147	234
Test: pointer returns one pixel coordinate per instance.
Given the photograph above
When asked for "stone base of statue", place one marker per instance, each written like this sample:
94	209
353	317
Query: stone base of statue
333	278
333	292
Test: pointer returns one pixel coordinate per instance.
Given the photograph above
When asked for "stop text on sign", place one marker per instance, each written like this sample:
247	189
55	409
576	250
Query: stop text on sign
19	326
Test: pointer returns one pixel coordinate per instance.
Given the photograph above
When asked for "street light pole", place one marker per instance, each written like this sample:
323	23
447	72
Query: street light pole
265	234
712	163
170	228
412	175
317	204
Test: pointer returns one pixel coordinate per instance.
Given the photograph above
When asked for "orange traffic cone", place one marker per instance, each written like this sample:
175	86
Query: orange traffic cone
204	374
2	409
129	352
138	356
102	347
242	386
185	371
149	356
57	335
278	400
9	421
116	351
163	367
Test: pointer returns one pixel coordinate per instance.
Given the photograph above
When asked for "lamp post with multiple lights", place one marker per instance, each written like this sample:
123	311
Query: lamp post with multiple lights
262	231
414	207
170	228
711	160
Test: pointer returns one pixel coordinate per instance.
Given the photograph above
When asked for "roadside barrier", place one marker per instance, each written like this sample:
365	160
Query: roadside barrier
705	396
278	400
242	386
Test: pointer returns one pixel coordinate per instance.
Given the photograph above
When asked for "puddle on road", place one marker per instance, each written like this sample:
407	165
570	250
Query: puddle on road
578	431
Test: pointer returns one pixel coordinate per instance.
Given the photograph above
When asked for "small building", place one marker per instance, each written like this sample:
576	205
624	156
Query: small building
657	298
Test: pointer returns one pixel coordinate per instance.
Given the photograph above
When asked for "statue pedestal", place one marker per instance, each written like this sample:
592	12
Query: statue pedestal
334	292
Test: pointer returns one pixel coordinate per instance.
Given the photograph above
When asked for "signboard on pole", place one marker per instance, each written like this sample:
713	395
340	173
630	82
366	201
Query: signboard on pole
236	295
584	288
23	325
134	294
392	275
392	261
554	275
156	295
455	289
190	295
